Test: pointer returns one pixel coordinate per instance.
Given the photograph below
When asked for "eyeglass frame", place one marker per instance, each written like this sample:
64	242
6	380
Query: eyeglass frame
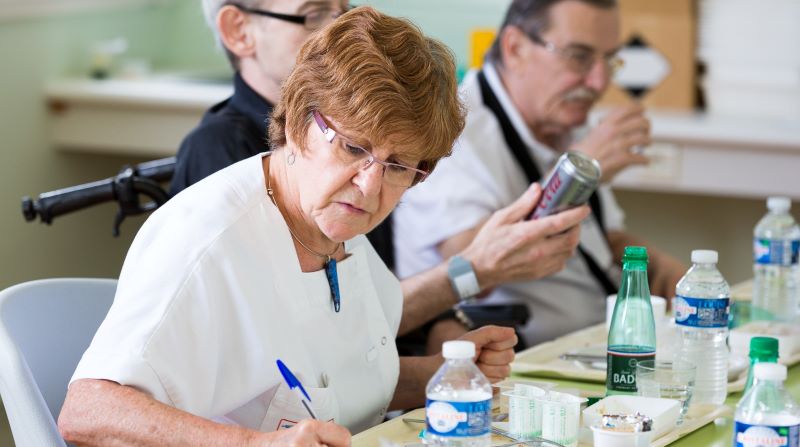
330	134
612	61
291	18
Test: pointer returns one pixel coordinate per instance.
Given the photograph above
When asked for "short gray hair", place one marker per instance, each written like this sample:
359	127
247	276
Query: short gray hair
533	18
210	10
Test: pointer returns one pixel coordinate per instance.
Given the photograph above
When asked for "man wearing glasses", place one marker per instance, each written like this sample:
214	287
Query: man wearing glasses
261	39
551	61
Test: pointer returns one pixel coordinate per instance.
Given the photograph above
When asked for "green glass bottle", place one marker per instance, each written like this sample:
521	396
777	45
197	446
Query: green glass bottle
762	350
632	336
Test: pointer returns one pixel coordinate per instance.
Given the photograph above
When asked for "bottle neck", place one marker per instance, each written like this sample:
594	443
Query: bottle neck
764	358
634	283
767	383
705	265
458	361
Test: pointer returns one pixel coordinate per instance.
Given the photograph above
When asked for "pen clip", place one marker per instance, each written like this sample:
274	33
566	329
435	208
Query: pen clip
291	380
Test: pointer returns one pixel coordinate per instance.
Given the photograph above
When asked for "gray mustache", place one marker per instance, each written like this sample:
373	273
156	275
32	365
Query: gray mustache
581	94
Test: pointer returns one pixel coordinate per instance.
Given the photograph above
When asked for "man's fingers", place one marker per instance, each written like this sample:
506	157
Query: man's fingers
495	373
634	125
496	358
622	113
556	223
492	337
521	207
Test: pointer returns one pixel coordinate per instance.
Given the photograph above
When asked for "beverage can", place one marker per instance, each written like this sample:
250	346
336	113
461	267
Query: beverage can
573	180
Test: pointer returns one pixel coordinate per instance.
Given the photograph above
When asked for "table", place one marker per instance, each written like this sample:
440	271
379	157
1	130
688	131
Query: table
717	434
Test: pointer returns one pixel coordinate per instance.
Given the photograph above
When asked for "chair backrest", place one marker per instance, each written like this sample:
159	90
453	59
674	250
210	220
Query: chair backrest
45	327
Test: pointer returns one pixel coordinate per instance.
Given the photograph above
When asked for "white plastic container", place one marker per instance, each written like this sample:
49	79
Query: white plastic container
525	411
663	412
611	438
561	418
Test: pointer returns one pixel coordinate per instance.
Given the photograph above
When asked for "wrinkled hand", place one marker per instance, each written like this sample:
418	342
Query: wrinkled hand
494	350
611	142
508	248
308	433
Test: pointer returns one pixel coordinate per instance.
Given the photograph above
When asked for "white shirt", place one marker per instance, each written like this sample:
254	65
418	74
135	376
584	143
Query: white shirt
211	295
483	176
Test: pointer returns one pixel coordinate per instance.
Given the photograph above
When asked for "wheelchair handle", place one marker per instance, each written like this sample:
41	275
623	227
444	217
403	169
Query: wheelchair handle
124	188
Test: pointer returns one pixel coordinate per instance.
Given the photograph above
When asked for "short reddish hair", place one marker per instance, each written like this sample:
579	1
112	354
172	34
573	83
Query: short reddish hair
377	76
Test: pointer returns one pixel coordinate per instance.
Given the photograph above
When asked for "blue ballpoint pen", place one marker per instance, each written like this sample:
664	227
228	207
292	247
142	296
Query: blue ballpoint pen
297	387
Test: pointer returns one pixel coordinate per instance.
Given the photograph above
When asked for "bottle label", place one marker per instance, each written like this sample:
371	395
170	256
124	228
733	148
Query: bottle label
458	419
776	251
702	312
747	435
621	372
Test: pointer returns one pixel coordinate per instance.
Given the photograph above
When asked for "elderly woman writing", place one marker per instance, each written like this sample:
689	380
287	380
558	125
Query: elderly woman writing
266	260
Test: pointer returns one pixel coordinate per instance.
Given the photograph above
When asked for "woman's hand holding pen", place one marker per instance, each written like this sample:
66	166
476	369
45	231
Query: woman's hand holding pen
307	433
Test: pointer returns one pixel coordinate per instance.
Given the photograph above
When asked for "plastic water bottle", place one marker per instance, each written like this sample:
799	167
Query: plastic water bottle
632	335
762	350
702	306
459	400
775	262
767	415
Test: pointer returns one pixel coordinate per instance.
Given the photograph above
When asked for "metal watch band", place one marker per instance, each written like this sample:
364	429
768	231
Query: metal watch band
462	278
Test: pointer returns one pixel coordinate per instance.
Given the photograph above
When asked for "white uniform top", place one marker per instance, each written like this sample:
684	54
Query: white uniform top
481	177
211	295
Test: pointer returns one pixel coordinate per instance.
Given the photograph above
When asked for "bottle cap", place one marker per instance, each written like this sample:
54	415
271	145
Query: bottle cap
778	204
770	371
458	349
633	253
763	348
705	256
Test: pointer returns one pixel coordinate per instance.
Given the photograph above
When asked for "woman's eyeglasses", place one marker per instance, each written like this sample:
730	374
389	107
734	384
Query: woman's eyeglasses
349	154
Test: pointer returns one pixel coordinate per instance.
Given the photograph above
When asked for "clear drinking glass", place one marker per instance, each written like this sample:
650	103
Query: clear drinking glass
668	380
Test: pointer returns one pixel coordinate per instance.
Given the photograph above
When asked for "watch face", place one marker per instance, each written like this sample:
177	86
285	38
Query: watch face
462	277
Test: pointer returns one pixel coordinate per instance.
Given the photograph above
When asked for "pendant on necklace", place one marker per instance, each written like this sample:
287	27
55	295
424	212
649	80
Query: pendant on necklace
333	283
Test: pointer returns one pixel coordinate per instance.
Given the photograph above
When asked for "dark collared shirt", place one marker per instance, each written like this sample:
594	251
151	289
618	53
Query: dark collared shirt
230	131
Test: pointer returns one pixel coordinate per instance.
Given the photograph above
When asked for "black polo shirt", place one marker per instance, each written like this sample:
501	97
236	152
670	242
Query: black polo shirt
236	129
230	131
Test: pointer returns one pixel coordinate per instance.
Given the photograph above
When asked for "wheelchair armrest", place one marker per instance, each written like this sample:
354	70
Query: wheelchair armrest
510	315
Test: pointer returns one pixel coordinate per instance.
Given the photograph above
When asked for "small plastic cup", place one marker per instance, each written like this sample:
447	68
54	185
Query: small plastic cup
611	438
561	417
525	411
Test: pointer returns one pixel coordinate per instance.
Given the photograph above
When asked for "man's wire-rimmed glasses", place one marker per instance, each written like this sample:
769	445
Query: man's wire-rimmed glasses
349	154
580	59
312	21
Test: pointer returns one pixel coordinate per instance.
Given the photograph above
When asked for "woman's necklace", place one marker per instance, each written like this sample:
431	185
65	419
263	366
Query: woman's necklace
330	262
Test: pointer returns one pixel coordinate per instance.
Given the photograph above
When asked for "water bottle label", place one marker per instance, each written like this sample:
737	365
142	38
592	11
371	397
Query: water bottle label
747	435
621	372
458	419
776	251
702	312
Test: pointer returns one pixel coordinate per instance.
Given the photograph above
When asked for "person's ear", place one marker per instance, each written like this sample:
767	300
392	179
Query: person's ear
234	28
513	47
